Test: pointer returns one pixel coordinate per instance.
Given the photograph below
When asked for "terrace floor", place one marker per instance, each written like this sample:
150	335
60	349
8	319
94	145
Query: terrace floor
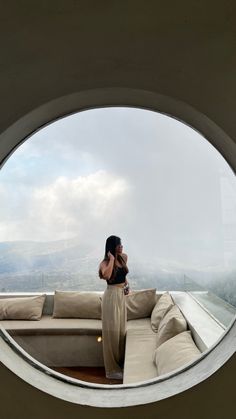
89	374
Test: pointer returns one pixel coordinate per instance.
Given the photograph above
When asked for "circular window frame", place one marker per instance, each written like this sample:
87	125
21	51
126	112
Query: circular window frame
98	395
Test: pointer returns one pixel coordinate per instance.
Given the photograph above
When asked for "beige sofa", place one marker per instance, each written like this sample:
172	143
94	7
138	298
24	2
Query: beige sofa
147	336
64	336
56	341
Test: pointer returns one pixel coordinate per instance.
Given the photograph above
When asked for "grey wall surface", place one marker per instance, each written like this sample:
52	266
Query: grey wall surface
183	50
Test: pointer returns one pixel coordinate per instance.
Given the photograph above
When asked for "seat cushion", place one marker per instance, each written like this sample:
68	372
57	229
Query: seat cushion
140	346
72	304
175	353
50	326
140	303
163	305
70	350
22	308
139	324
172	323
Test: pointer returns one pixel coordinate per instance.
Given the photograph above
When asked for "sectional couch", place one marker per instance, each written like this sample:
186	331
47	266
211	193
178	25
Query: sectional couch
65	329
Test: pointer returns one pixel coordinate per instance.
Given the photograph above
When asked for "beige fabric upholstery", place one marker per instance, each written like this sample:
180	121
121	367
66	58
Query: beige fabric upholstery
50	326
175	353
72	304
139	324
171	324
28	308
140	346
163	305
140	303
63	350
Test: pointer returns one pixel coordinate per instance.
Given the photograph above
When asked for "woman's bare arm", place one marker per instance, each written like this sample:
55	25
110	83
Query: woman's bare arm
107	267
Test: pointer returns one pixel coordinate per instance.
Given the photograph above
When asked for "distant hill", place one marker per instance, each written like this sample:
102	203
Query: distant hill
25	256
32	266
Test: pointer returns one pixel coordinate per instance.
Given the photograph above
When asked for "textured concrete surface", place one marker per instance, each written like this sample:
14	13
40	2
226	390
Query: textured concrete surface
65	55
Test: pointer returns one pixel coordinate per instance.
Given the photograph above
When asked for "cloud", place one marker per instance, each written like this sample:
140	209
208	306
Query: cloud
67	208
138	174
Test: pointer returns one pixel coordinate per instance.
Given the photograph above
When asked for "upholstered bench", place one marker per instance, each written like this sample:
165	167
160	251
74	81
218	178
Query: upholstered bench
152	344
64	336
140	346
59	342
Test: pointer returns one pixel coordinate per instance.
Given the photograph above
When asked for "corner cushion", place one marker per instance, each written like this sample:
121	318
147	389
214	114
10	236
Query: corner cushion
175	353
172	324
163	305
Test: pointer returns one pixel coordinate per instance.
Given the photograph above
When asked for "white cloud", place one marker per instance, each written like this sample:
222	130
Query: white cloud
68	207
143	176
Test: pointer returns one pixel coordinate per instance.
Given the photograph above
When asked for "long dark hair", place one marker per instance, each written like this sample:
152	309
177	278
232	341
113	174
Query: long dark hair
110	246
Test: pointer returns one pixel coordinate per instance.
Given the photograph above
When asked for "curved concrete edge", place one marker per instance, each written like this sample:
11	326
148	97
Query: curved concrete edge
106	396
58	108
171	384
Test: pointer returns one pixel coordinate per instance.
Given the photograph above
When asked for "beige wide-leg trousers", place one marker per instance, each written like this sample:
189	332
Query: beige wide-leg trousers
113	329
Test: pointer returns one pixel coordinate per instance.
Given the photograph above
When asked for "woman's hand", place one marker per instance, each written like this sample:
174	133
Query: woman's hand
110	255
126	288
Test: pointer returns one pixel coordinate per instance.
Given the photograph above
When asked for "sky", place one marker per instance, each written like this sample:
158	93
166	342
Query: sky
146	177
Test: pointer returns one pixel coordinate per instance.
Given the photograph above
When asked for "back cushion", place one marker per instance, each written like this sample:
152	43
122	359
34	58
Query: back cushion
171	324
73	304
140	303
175	353
22	308
163	305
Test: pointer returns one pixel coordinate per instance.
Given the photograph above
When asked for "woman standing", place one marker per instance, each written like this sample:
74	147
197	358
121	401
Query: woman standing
114	269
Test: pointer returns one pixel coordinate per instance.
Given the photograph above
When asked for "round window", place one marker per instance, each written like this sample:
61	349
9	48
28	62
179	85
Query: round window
167	194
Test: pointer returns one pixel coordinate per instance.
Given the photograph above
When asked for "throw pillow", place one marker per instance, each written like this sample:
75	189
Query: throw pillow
163	305
22	308
140	303
175	353
74	304
171	324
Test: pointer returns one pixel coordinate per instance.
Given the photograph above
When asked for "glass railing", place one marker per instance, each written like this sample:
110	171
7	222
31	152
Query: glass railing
217	307
220	302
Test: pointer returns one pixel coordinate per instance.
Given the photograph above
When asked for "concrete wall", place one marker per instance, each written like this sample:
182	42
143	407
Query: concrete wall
184	50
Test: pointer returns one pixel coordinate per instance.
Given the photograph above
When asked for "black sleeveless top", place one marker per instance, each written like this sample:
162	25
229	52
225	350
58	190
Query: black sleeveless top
119	277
